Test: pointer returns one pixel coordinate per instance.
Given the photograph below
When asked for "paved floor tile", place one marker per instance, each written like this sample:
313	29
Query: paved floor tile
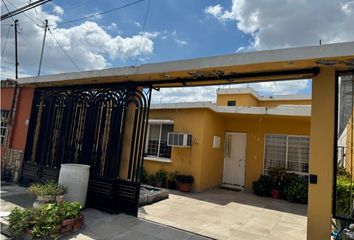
224	214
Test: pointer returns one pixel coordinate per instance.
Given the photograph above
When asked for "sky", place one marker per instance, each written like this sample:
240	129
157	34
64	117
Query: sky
167	30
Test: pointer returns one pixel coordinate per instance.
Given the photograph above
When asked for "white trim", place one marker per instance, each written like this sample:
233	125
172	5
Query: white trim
282	110
161	121
157	159
251	91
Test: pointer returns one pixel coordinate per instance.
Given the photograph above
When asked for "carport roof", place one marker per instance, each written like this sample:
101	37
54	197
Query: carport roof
280	64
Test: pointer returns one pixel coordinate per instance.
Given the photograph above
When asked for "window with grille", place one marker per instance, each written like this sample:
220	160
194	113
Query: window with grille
291	152
5	116
157	140
231	103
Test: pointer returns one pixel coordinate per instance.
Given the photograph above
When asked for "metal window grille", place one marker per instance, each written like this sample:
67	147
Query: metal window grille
291	152
231	103
5	117
157	140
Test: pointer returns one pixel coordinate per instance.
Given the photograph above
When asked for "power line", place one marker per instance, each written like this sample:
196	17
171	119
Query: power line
66	54
26	15
78	5
101	13
7	36
144	25
23	9
8	11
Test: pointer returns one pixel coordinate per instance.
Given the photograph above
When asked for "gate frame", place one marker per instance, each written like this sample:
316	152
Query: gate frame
117	195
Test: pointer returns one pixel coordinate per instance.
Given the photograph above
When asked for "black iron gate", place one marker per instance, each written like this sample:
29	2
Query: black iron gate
102	126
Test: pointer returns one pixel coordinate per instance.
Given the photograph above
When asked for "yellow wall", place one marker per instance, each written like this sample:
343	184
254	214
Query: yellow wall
256	128
247	99
349	151
206	163
241	99
321	155
283	102
185	160
212	159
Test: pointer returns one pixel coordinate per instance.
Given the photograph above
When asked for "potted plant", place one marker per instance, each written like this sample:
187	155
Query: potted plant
263	186
184	182
278	177
45	222
46	192
161	178
171	182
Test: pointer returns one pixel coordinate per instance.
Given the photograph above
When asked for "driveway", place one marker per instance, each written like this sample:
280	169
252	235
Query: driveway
98	225
224	214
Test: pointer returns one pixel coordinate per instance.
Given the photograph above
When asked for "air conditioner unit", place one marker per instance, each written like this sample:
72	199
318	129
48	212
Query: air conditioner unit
179	139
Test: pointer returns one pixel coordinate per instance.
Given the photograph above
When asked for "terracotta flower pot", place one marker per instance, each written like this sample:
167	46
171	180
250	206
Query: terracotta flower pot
276	194
184	187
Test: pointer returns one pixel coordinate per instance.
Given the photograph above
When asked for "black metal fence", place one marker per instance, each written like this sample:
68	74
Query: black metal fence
88	125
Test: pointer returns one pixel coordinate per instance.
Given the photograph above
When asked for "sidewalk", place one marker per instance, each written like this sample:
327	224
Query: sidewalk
98	224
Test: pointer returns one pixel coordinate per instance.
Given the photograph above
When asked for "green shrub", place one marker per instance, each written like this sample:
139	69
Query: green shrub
296	190
161	178
263	186
152	180
41	221
181	178
144	176
20	220
345	193
279	177
49	188
172	182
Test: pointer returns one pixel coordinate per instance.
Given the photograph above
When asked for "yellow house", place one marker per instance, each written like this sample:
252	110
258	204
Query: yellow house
323	64
233	141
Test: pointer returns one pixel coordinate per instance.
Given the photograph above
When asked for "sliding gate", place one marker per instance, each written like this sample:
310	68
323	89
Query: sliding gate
102	126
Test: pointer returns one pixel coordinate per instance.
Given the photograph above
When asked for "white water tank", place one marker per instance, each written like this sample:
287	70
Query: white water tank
75	177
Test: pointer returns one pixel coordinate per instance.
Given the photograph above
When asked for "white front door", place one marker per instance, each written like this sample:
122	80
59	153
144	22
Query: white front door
234	160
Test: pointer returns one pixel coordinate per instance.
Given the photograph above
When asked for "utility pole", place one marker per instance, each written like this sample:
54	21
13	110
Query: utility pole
16	57
45	34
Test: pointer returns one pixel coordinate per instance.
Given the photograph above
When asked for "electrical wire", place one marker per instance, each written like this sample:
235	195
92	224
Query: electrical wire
101	13
7	36
7	10
66	54
24	8
25	15
143	32
78	5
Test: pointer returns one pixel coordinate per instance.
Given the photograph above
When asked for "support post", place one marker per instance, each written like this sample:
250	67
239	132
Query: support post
321	155
16	57
43	43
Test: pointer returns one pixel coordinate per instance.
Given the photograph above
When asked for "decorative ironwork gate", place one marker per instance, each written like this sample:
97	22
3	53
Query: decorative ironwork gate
102	126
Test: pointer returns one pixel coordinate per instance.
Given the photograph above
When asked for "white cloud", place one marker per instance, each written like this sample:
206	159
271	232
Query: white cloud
88	44
192	94
58	10
278	24
181	42
137	24
279	88
151	35
348	7
216	11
